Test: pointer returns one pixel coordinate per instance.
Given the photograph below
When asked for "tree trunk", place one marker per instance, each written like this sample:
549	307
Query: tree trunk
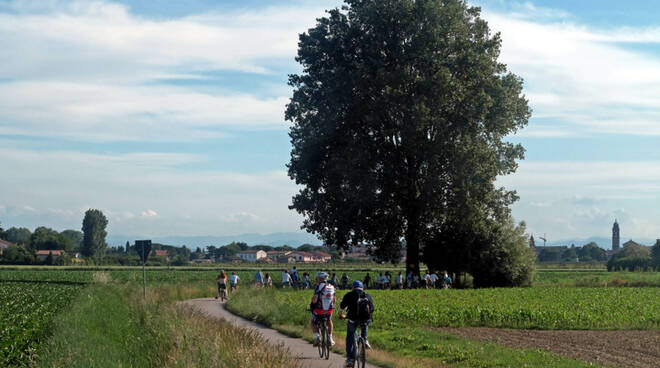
412	249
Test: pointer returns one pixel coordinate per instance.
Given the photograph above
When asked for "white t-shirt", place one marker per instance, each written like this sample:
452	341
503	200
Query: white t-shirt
434	277
234	279
427	277
285	277
326	296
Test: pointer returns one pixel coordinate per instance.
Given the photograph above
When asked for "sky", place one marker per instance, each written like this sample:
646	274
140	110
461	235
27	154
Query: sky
169	116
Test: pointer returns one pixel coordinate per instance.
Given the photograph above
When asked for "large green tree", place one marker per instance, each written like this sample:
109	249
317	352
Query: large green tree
398	120
75	236
93	228
45	238
18	235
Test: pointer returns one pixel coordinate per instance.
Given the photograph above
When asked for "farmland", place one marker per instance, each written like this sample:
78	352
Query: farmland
27	316
408	324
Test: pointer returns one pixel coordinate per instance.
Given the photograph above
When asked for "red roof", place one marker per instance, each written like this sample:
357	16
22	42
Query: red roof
46	252
322	254
5	244
161	253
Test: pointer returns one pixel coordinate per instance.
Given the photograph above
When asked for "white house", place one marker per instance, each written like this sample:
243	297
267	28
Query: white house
251	255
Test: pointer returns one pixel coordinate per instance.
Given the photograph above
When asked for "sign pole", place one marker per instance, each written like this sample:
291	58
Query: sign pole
144	276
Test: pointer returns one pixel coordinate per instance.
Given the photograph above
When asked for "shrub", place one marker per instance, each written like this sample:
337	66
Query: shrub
630	264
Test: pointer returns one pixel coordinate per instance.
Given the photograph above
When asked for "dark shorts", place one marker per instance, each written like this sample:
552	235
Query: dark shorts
222	286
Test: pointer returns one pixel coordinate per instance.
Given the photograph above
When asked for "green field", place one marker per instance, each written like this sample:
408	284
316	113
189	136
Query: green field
530	308
26	316
39	303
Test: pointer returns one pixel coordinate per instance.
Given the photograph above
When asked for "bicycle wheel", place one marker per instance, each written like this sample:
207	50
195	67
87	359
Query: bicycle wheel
321	340
361	356
327	342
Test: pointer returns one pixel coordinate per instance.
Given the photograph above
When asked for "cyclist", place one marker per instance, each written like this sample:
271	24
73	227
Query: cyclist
322	304
221	280
356	303
233	281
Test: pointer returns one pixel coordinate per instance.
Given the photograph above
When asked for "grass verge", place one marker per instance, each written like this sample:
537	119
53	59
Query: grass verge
111	325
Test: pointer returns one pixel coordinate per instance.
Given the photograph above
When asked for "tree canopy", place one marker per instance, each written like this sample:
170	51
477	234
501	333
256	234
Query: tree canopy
93	228
398	120
18	235
45	238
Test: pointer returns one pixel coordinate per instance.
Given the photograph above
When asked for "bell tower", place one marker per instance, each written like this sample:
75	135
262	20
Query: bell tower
615	236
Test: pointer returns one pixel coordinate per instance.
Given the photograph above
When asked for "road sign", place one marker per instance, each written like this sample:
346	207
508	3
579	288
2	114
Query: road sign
143	248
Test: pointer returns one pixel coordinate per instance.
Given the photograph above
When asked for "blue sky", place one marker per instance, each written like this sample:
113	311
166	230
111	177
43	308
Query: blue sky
168	116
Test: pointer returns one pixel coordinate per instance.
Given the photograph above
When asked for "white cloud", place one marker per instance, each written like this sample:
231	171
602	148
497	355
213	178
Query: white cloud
169	199
581	76
581	199
149	213
93	70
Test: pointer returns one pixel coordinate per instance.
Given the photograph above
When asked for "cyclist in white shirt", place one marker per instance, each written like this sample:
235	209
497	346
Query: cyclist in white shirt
233	281
322	305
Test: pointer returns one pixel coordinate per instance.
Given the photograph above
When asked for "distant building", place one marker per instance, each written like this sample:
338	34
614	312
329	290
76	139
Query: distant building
43	254
275	254
4	245
252	255
615	237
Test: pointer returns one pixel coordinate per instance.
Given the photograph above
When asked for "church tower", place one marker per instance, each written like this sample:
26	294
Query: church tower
615	236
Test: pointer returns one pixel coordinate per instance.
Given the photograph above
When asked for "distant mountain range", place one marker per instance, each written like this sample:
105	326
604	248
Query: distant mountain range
605	243
275	239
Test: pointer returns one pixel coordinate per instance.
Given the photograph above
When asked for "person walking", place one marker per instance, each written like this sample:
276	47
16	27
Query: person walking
399	280
259	278
360	308
233	281
286	279
367	281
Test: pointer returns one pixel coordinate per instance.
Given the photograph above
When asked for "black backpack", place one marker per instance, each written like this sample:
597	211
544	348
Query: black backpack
364	307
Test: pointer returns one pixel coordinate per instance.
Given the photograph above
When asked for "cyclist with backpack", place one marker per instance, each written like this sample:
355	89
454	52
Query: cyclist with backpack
322	305
360	307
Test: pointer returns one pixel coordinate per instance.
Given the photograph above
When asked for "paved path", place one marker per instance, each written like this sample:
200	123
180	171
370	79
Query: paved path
307	354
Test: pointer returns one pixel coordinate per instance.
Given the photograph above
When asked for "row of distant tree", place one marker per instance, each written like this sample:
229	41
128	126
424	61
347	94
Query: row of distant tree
90	242
590	252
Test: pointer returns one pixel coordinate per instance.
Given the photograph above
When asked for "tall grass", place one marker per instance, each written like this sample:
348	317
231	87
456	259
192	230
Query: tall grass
110	325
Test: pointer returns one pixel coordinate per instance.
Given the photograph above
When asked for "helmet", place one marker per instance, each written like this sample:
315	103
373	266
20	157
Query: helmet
357	285
322	275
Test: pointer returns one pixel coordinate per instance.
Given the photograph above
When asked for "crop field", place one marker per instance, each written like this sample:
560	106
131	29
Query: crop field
408	323
529	308
26	316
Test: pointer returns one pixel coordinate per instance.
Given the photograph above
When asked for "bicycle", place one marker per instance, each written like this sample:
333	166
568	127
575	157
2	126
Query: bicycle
324	339
359	345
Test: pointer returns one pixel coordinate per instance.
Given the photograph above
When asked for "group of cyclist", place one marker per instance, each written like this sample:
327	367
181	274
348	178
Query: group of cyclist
357	313
356	306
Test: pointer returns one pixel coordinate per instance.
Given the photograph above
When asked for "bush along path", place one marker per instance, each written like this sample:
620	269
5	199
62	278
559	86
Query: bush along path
303	351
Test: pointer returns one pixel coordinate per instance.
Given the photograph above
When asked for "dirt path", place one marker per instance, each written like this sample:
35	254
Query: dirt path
306	354
638	349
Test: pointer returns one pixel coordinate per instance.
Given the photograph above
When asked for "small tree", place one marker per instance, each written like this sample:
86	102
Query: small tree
94	233
655	255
